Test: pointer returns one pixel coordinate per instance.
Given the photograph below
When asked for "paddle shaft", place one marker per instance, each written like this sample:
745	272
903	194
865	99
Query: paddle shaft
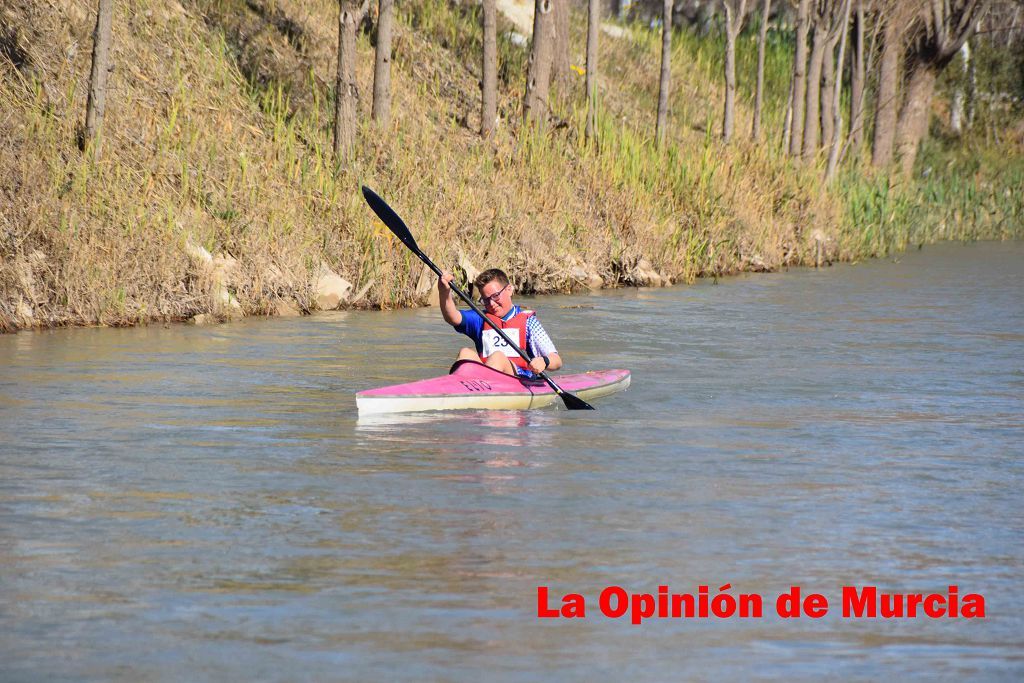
402	232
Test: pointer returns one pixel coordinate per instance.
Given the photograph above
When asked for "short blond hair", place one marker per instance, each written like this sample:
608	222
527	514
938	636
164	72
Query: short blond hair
490	275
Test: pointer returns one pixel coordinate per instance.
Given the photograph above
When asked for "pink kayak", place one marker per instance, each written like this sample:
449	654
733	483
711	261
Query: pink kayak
474	385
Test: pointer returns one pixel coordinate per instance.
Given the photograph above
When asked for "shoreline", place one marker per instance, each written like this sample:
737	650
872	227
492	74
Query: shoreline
209	319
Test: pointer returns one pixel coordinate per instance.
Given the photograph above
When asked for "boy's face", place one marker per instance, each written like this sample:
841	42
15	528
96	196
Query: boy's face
496	298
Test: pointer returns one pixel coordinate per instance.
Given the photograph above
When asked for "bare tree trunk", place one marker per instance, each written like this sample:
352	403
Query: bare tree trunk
886	106
838	19
593	26
956	110
538	73
729	115
799	89
755	130
837	91
560	72
735	10
857	82
489	87
346	91
787	126
913	120
96	104
812	123
382	65
666	67
972	90
828	86
947	25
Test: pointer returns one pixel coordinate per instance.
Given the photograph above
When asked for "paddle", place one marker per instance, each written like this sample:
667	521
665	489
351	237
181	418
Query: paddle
397	226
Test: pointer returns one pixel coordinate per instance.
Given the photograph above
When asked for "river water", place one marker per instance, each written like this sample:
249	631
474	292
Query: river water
202	504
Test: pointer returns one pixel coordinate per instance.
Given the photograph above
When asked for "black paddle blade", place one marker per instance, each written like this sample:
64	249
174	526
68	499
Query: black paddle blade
573	402
390	218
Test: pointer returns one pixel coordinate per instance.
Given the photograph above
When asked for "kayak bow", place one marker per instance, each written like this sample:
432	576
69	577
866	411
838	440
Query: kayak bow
474	385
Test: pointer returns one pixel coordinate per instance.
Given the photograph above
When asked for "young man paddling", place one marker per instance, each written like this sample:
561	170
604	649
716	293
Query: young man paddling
521	326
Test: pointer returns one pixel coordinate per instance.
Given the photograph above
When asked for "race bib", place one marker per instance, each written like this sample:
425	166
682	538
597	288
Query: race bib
493	343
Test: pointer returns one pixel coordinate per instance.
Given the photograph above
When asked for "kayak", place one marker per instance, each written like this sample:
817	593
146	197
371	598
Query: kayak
472	385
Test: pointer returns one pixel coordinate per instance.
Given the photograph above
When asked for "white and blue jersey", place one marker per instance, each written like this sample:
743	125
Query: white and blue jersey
537	343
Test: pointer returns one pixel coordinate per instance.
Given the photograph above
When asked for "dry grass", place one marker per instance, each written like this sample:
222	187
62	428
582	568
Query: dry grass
218	134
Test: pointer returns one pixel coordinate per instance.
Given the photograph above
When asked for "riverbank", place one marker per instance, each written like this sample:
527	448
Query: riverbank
216	194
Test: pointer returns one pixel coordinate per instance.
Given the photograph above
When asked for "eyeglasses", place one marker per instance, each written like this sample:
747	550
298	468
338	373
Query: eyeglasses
493	298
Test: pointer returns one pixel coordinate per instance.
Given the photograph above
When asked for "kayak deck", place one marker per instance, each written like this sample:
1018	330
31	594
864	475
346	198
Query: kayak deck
473	385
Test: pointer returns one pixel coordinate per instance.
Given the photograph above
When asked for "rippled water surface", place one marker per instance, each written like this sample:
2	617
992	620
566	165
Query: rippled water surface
182	503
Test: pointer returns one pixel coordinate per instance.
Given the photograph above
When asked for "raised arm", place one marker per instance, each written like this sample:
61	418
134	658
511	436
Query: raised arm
449	311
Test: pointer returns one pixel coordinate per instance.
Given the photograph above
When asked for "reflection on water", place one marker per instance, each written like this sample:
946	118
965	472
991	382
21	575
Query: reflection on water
504	440
182	503
517	428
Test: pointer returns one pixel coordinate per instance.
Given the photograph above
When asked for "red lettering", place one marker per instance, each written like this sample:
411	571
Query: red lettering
930	607
751	605
574	606
913	602
683	605
892	606
643	607
859	604
788	604
815	606
543	611
974	606
866	602
724	605
621	601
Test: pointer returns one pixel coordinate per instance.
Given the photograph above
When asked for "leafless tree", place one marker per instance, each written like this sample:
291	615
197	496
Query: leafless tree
560	71
666	69
538	73
96	104
798	92
489	86
886	105
972	90
755	129
787	126
822	18
382	64
346	96
957	106
836	129
593	26
1014	23
972	86
936	38
857	73
832	72
735	11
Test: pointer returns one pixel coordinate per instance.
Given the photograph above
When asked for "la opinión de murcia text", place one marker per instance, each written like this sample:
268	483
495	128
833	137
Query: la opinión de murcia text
857	602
